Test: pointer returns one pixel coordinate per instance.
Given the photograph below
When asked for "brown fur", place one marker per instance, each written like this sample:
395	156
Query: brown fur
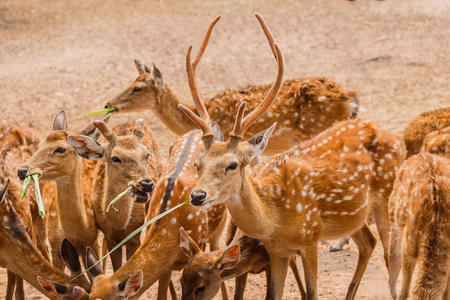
304	107
71	216
19	252
202	269
17	144
420	126
126	215
438	142
419	211
322	189
159	254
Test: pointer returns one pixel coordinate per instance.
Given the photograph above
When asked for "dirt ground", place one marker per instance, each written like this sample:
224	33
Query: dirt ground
76	55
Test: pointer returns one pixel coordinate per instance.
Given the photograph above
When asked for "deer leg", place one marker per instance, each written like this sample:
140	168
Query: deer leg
173	292
268	280
446	295
408	264
116	256
241	282
383	226
294	268
163	285
340	244
278	271
366	242
309	261
395	248
20	295
11	285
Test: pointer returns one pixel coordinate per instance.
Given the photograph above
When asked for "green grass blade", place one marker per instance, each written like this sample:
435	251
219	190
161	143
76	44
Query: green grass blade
146	224
37	190
107	110
118	198
106	114
26	182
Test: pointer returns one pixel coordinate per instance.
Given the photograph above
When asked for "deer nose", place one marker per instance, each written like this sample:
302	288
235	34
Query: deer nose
198	197
146	185
22	172
107	105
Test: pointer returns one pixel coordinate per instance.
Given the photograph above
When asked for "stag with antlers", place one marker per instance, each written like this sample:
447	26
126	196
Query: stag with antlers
322	189
305	106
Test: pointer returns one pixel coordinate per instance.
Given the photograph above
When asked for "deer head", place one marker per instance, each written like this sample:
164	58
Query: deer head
55	157
125	156
222	165
119	290
201	278
145	92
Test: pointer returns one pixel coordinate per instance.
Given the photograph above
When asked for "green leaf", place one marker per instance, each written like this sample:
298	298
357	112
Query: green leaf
26	182
108	110
143	226
118	198
37	190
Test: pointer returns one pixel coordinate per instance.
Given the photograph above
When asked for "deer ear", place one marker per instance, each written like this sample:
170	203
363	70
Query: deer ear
131	286
91	259
86	146
53	288
138	130
60	121
229	258
70	257
157	77
139	66
187	244
257	143
218	136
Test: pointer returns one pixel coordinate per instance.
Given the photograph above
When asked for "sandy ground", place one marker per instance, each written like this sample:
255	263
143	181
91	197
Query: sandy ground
75	55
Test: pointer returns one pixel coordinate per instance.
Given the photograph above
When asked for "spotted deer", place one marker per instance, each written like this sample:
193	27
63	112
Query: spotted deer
72	216
20	255
304	106
420	228
323	189
129	158
423	124
206	271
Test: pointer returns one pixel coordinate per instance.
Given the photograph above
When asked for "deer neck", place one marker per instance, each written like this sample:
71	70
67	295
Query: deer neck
155	257
119	213
168	112
250	212
71	207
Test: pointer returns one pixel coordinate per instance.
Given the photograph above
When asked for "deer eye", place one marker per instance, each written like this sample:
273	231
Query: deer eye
115	159
199	290
147	157
136	89
60	150
198	168
232	166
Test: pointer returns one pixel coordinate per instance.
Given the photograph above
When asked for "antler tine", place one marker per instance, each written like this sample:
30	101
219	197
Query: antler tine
105	130
241	125
201	108
267	32
274	90
204	43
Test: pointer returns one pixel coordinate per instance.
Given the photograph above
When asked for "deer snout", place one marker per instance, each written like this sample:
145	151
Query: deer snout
22	172
146	185
107	105
198	197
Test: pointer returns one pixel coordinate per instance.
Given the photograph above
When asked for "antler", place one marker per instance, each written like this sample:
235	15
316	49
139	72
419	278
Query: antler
203	121
242	124
105	131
